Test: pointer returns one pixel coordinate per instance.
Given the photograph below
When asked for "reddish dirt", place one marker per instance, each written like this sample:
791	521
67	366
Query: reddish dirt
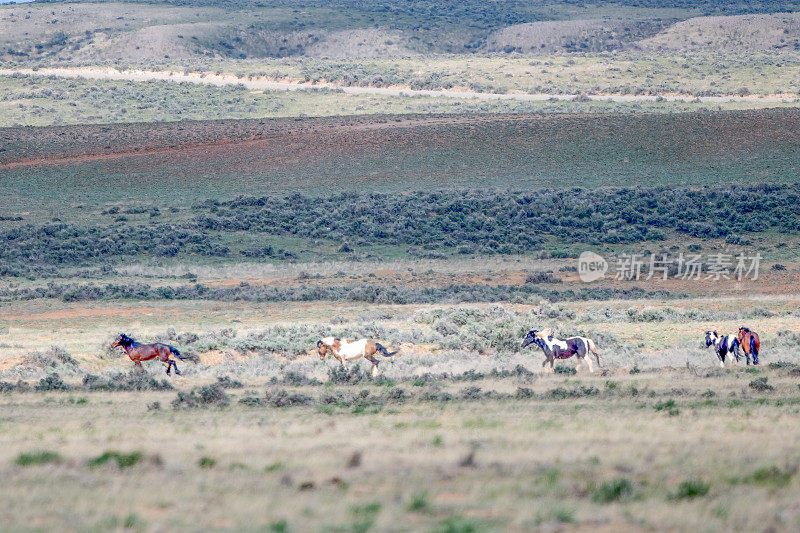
80	144
63	314
250	145
7	363
769	282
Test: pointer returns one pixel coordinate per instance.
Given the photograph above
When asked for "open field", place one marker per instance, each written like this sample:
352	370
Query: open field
291	88
655	450
50	100
460	432
268	339
179	164
239	179
508	56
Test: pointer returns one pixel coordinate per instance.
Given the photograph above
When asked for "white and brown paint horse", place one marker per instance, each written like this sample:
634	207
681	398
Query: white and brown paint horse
555	348
724	346
346	350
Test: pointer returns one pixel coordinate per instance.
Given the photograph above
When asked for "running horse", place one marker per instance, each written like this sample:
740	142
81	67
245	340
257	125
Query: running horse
554	348
144	352
725	345
750	343
345	350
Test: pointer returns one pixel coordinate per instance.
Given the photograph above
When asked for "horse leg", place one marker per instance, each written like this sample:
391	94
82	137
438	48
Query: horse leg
175	366
374	362
138	365
589	362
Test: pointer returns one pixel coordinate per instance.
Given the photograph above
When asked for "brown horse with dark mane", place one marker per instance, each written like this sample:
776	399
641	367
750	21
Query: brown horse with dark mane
750	343
144	352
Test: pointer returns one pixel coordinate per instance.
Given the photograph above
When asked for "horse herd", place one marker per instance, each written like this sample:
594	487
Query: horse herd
343	350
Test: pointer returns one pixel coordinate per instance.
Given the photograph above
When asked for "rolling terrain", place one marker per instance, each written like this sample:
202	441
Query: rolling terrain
223	159
240	178
101	32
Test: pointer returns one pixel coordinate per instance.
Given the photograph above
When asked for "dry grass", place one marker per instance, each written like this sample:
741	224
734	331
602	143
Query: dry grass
745	33
643	333
532	462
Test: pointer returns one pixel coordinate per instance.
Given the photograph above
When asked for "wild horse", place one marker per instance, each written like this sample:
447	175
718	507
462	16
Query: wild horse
346	350
724	346
750	343
144	352
555	348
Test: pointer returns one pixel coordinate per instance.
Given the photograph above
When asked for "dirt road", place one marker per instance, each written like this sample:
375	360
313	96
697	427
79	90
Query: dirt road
267	84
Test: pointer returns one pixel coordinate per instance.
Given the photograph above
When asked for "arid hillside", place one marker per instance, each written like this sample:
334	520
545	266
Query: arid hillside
738	33
103	32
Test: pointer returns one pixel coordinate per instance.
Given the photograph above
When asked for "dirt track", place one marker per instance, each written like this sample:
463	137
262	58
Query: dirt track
267	84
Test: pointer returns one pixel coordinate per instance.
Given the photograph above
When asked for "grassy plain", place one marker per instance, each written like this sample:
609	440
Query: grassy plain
182	163
656	450
444	228
50	101
697	74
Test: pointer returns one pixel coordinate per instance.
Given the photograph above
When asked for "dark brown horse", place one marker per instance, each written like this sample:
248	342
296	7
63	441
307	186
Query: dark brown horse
750	343
144	352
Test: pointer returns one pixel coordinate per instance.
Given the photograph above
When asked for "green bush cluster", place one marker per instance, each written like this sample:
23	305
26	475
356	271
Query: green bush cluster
510	222
373	293
424	224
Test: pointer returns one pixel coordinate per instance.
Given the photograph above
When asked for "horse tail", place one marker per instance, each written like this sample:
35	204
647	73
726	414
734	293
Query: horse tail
754	345
175	352
188	357
383	351
593	349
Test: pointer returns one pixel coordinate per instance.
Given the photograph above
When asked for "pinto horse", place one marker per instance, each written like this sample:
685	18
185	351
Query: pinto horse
345	350
726	345
554	348
750	343
144	352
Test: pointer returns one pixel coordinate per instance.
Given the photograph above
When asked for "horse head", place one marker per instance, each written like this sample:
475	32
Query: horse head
333	344
711	338
322	349
530	338
122	340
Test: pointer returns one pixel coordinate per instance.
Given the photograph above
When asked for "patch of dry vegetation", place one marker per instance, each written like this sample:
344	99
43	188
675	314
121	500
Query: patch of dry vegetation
434	453
743	33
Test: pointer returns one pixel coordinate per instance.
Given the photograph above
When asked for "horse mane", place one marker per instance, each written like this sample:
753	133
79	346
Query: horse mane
126	340
546	332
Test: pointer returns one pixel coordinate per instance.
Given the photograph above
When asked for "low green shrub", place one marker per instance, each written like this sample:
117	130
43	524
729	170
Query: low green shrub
122	460
38	457
691	488
620	489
